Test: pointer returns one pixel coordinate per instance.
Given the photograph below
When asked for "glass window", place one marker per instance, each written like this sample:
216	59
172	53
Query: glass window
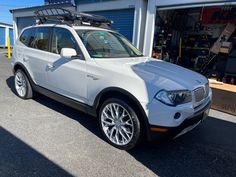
24	38
41	39
107	44
63	38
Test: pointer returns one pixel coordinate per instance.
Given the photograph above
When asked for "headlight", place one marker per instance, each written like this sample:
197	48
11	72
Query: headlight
174	98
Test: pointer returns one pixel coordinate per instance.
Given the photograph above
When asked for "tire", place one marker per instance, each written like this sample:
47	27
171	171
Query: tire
121	128
22	85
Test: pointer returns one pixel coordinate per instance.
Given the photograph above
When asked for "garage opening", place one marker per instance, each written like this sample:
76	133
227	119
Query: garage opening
202	39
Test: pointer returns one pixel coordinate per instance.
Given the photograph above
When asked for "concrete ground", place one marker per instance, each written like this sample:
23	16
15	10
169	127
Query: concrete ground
41	137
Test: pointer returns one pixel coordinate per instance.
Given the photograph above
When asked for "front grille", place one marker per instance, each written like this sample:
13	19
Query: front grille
207	89
199	94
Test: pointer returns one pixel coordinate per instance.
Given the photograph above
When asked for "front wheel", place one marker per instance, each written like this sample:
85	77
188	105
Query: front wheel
119	123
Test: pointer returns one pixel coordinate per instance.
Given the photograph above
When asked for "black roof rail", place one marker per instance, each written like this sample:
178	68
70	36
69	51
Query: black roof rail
64	16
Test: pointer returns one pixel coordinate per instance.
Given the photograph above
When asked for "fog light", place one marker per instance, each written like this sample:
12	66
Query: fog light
177	115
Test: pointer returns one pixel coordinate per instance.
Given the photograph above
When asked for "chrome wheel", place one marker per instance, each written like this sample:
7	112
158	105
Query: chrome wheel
20	84
117	124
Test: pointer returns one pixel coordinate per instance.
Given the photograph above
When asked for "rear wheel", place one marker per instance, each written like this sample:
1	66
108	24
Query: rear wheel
22	85
119	124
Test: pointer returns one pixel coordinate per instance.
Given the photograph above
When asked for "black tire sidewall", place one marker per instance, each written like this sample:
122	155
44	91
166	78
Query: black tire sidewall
137	128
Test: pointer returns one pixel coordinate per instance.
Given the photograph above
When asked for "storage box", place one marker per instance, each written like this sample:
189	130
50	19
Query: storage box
227	32
225	50
226	47
224	96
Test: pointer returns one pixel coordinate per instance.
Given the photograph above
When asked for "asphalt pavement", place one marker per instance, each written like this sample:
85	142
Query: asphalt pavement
44	138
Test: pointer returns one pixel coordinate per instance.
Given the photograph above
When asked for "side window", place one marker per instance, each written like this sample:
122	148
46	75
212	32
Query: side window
25	36
31	37
40	40
63	38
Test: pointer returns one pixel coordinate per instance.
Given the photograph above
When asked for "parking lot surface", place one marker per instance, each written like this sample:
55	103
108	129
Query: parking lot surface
41	137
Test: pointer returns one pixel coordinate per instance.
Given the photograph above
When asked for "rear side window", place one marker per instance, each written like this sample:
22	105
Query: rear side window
25	37
40	40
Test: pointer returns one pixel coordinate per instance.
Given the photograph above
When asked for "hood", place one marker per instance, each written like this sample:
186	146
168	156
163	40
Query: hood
162	74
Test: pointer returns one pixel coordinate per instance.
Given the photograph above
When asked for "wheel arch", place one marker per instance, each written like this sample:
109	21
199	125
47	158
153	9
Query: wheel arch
121	93
22	67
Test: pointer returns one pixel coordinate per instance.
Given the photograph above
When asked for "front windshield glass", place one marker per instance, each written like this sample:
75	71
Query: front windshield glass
107	44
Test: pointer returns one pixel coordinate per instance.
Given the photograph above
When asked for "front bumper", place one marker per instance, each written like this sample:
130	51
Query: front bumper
163	133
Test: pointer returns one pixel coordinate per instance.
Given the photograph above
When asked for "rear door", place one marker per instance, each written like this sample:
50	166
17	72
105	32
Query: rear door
37	53
66	76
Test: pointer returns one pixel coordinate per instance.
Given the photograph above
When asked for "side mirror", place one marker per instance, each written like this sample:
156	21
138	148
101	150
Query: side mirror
68	53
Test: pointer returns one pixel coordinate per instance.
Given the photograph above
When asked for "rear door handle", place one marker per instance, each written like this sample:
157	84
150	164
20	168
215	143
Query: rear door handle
25	59
92	77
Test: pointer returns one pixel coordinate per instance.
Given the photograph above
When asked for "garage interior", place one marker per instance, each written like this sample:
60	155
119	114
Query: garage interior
202	39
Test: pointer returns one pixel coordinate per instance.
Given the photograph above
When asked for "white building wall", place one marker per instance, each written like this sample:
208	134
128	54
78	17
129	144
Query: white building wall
139	23
149	28
6	35
161	3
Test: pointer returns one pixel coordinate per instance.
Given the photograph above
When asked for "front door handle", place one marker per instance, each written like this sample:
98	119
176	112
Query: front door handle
50	66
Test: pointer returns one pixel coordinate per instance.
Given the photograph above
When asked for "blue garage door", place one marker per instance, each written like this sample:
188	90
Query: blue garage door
123	20
23	22
11	37
2	36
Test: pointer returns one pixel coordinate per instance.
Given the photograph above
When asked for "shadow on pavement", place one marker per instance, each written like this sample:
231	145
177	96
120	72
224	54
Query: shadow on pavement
10	84
17	159
85	120
208	150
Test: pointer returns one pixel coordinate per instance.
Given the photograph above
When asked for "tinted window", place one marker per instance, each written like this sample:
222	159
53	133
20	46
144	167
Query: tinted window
31	37
40	40
63	38
24	38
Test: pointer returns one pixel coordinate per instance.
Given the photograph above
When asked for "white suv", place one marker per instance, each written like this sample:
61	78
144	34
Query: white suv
100	72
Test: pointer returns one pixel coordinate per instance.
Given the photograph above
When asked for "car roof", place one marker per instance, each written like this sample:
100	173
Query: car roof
66	26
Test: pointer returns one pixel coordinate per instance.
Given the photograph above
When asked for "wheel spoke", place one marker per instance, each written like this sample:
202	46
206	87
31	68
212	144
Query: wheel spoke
123	115
111	111
105	115
108	123
128	133
116	108
123	136
117	138
127	123
21	90
111	132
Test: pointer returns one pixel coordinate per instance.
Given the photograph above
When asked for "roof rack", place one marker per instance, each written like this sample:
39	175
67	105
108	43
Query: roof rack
64	16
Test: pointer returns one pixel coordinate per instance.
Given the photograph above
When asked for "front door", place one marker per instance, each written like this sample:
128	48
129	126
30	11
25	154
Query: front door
66	76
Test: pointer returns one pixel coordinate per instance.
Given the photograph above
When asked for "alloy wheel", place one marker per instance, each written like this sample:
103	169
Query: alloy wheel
117	124
20	84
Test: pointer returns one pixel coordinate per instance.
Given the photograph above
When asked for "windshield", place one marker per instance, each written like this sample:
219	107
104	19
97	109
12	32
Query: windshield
107	44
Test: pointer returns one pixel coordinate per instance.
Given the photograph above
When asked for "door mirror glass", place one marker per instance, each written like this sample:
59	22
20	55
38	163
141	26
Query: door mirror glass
68	53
